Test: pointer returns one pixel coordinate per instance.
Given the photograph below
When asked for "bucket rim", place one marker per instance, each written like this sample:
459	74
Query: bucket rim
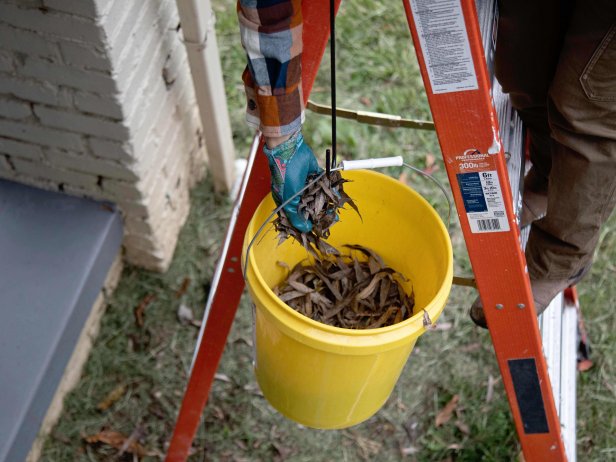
415	321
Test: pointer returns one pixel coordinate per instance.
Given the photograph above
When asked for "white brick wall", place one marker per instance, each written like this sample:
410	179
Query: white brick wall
6	62
52	22
84	55
96	100
68	76
35	91
21	150
73	121
5	166
107	149
93	103
34	133
12	109
25	41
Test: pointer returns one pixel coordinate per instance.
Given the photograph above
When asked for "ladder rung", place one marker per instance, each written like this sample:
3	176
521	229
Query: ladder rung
371	118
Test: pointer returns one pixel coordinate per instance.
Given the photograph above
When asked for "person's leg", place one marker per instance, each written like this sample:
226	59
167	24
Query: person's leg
539	51
528	43
582	180
529	40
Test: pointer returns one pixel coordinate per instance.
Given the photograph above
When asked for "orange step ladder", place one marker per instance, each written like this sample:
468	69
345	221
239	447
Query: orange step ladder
450	47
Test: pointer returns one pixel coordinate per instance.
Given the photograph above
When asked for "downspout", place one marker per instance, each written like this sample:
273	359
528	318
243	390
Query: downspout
197	20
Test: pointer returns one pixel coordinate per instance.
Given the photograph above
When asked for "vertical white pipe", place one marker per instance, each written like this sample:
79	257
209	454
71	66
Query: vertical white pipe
197	22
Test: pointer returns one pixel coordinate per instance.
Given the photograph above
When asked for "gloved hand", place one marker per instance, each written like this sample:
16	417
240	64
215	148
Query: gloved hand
290	164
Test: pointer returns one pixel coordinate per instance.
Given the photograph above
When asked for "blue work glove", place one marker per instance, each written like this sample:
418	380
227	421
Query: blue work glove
290	164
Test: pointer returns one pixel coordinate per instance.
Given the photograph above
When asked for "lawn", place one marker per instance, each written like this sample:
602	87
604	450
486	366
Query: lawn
134	380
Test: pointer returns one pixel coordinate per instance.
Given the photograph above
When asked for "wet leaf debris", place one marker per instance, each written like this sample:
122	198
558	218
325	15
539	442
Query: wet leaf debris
319	203
355	291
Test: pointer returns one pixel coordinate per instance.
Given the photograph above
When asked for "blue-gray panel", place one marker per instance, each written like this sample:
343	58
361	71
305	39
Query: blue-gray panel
55	252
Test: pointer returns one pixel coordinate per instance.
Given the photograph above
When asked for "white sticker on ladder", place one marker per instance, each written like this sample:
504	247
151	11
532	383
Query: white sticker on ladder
444	44
483	201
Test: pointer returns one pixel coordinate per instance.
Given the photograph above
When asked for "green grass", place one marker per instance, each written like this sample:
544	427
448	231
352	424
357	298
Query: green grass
377	71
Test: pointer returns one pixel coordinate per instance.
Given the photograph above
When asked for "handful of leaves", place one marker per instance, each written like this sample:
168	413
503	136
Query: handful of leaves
343	291
319	203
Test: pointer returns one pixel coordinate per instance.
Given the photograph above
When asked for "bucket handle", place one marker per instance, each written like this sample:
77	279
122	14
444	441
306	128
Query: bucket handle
441	187
395	161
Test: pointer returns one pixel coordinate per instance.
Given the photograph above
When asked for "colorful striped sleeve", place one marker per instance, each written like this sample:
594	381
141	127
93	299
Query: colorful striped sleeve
271	33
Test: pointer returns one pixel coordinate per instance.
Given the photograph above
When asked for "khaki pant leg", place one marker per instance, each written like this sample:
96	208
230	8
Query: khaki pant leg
530	37
582	117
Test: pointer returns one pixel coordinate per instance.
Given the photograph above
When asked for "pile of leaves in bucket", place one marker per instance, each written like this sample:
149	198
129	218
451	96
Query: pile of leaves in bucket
354	291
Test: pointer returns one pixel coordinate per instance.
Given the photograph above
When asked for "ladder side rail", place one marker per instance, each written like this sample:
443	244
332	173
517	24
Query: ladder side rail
466	123
568	372
225	294
227	287
550	323
558	324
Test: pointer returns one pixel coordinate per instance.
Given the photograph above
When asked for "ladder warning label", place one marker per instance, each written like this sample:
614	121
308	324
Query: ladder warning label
444	44
483	201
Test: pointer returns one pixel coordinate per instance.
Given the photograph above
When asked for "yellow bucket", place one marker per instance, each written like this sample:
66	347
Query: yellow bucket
328	377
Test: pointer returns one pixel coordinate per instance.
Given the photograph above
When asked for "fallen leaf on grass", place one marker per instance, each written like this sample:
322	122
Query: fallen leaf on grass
409	451
463	427
411	427
156	409
117	441
132	439
140	309
367	448
242	445
253	388
430	165
400	405
222	377
56	435
111	397
470	347
183	288
140	341
218	412
283	452
186	316
447	412
584	365
490	391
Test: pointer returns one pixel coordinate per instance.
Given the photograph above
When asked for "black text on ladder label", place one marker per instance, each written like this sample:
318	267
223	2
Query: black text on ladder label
483	201
444	45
